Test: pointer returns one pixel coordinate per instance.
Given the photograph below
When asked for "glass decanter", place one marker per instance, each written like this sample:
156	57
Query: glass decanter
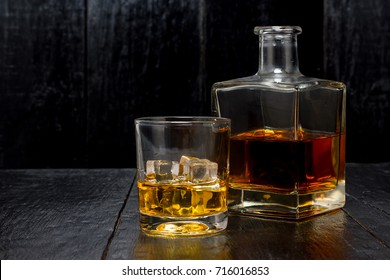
287	149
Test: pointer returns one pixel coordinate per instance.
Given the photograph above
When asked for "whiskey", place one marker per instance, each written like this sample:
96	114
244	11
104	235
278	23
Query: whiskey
277	161
182	199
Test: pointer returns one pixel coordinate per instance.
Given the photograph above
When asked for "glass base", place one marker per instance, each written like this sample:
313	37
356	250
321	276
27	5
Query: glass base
173	226
291	206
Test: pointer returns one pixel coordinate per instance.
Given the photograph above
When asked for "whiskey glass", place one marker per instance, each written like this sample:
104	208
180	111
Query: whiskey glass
182	173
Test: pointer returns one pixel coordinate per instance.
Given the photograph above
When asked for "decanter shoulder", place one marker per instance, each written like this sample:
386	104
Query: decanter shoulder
282	82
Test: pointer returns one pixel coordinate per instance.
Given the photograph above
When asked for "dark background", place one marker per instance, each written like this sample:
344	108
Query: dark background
75	73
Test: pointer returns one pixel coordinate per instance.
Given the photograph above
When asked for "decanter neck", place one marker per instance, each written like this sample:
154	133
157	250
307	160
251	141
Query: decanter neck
278	50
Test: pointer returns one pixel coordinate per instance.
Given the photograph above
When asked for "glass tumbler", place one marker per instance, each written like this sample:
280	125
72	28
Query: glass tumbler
182	173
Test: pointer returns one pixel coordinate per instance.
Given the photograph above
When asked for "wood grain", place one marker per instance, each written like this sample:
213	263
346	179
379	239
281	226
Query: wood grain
75	74
359	231
42	83
232	48
368	199
89	214
60	214
356	44
143	59
335	235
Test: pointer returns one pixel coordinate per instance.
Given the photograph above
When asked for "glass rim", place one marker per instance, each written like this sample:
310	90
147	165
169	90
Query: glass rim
181	120
278	29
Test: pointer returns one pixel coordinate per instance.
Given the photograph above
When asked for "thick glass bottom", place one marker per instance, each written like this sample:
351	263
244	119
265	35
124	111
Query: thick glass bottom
173	226
292	206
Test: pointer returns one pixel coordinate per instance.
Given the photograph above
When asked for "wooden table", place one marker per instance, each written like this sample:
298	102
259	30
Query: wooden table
92	214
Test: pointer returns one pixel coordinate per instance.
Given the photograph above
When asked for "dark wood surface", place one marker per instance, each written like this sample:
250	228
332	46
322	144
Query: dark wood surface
92	214
74	74
356	53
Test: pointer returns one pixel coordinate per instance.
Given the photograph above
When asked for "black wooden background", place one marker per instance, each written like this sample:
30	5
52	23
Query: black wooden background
75	73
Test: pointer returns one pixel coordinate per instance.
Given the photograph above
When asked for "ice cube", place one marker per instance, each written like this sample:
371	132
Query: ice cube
184	165
150	173
213	170
198	170
161	170
150	167
175	168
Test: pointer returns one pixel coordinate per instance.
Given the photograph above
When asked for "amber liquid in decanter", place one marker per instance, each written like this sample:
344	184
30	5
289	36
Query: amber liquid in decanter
267	159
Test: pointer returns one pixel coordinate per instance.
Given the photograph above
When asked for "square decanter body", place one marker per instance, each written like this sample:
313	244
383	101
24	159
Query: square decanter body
287	147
